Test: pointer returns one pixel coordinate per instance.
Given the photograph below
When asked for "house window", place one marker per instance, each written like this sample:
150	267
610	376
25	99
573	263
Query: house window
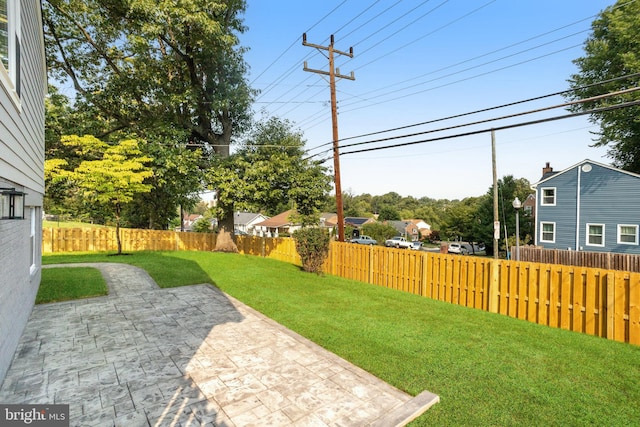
548	197
4	34
10	47
548	232
595	234
627	234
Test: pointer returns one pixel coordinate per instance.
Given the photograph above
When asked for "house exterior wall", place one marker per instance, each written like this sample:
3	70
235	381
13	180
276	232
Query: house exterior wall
21	167
596	195
246	222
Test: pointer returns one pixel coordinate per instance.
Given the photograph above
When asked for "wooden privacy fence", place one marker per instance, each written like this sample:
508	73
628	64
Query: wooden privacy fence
606	260
595	301
104	239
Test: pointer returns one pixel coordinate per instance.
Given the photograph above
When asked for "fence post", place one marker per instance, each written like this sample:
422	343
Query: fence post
423	279
371	264
494	286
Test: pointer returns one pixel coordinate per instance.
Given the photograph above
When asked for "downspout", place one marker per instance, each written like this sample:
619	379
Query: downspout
535	219
578	211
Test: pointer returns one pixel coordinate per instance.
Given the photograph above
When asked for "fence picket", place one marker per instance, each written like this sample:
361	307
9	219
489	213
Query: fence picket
590	293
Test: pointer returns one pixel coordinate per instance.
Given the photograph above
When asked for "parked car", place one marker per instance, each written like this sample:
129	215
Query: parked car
364	240
457	248
397	242
415	246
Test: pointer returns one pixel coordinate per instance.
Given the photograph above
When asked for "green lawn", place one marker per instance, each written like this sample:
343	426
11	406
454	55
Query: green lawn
62	284
487	369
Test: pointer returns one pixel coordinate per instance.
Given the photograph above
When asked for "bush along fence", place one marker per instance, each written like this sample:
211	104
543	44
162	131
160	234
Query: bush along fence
595	301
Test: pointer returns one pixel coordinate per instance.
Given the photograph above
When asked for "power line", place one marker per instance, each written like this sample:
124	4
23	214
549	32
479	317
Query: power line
493	119
296	41
477	57
484	110
511	126
426	35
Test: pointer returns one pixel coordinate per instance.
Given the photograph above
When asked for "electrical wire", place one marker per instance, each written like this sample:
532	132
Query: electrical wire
296	41
499	128
493	119
512	45
484	110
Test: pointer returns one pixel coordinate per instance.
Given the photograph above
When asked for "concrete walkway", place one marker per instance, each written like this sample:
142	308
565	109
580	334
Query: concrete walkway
189	356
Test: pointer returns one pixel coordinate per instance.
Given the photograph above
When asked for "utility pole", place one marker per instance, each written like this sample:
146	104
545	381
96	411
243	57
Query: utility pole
496	219
333	73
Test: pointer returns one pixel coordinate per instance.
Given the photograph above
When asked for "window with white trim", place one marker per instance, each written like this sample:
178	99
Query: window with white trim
10	47
627	234
595	234
548	196
4	34
548	232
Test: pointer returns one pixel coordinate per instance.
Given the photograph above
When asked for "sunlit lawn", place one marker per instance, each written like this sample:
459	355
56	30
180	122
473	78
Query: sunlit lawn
487	369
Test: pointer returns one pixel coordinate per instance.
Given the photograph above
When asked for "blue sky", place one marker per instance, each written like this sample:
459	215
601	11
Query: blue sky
417	61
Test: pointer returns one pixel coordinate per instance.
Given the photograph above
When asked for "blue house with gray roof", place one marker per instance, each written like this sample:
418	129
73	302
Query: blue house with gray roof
588	207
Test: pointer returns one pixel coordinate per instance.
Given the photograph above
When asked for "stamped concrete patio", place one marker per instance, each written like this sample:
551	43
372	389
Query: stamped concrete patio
189	356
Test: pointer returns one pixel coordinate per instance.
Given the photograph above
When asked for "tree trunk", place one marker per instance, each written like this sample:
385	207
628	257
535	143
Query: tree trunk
118	229
226	239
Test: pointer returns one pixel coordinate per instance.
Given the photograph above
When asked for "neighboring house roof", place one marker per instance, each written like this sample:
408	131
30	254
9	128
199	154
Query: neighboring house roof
357	221
280	220
552	175
328	219
246	218
420	224
400	226
547	171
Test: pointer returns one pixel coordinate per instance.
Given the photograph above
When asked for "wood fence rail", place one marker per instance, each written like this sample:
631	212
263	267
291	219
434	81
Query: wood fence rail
595	301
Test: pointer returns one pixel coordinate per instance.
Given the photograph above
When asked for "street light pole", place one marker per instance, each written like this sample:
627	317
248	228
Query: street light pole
517	205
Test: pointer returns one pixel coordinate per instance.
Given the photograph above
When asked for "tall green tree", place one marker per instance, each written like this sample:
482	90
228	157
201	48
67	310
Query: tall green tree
388	213
155	70
458	223
271	173
177	178
612	50
508	189
379	231
112	179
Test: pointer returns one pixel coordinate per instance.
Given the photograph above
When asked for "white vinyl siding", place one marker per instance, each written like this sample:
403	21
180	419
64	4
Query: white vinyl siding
595	234
548	196
627	234
548	232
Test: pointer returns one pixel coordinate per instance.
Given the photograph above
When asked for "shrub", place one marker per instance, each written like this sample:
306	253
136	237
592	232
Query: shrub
312	244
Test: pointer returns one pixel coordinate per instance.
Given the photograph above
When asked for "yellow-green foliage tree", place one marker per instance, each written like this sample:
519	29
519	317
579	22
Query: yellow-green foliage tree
111	178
